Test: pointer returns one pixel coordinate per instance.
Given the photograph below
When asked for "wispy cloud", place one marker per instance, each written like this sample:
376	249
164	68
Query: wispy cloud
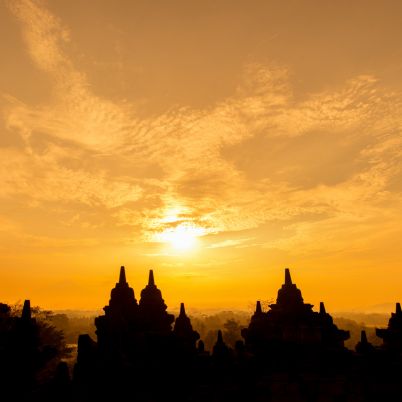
229	243
250	159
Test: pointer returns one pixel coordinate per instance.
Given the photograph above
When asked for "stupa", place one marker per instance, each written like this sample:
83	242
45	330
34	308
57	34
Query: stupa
392	336
152	307
290	321
183	330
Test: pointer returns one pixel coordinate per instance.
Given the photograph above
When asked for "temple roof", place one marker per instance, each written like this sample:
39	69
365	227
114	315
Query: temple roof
153	307
392	335
289	296
122	295
290	320
220	349
183	327
258	313
151	294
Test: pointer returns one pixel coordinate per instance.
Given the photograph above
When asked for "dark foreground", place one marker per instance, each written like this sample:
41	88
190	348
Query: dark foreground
142	353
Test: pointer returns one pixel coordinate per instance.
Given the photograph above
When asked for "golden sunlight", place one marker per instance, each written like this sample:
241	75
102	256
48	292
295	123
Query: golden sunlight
182	150
182	237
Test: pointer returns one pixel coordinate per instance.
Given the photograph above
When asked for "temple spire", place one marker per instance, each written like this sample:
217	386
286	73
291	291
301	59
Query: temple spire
322	308
122	277
220	350
182	309
258	309
151	281
26	310
364	346
288	279
398	308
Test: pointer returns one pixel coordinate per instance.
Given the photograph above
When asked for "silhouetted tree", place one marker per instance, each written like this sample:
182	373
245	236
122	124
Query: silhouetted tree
231	332
52	344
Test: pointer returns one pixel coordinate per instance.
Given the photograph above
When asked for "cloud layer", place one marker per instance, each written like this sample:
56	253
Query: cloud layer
263	168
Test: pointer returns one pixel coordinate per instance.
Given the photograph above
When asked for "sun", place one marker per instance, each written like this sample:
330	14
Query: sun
182	237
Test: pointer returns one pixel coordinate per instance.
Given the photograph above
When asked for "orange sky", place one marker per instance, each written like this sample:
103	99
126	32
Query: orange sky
214	141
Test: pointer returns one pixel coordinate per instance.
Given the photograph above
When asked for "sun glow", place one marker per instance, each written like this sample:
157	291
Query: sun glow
182	237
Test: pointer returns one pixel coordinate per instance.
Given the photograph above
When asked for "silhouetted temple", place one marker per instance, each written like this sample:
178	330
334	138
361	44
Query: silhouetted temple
127	328
220	352
133	338
291	322
114	329
392	336
364	347
124	314
142	353
153	314
184	332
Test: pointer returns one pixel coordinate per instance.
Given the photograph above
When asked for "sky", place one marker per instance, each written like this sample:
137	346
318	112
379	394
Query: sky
216	142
